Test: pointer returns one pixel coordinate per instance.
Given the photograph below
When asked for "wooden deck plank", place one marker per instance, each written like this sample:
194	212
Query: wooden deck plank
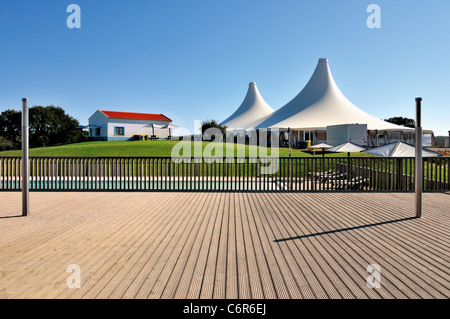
220	264
58	244
408	256
179	266
158	232
155	264
356	250
254	275
174	265
373	241
195	284
232	284
125	255
209	274
297	271
323	259
118	250
244	291
265	275
365	246
349	265
125	276
183	278
303	259
282	272
225	245
312	257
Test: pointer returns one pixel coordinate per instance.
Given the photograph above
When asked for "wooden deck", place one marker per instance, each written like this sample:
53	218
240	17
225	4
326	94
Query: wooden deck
224	245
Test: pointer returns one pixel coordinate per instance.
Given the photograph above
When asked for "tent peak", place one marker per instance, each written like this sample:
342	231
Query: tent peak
320	104
252	111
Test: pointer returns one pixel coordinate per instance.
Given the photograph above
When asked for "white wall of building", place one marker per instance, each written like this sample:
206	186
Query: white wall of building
135	127
101	120
339	134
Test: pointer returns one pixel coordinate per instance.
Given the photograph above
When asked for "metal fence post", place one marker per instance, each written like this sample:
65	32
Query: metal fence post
418	175
25	163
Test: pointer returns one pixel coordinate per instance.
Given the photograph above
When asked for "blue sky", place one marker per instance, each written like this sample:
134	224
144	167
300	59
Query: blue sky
193	59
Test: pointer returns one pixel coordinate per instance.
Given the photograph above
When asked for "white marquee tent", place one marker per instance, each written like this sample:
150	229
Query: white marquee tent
321	104
250	113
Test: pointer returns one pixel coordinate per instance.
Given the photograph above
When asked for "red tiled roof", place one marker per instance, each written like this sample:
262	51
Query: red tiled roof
136	116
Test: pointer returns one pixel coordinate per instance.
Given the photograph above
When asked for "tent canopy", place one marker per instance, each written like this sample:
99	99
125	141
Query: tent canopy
399	149
321	104
252	111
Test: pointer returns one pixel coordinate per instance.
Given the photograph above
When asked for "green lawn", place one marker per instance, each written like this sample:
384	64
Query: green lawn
150	148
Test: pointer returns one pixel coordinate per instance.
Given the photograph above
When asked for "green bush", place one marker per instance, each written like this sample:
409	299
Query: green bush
6	145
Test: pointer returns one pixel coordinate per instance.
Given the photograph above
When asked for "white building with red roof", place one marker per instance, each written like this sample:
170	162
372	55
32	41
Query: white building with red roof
119	126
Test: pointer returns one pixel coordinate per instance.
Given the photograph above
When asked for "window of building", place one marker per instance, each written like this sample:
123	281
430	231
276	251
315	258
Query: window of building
119	130
97	131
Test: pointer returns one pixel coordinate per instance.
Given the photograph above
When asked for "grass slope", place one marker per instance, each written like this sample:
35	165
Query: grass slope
151	148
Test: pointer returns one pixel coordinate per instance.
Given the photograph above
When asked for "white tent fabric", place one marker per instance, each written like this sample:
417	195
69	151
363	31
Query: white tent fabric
399	149
321	104
252	111
321	145
170	127
346	147
153	126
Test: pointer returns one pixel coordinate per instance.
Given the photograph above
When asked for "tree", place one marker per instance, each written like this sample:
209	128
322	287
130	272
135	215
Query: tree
49	125
6	145
212	124
10	128
403	121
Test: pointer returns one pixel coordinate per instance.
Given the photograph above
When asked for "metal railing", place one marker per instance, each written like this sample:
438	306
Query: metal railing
224	174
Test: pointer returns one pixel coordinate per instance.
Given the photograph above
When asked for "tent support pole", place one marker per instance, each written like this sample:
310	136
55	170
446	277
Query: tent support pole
289	141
